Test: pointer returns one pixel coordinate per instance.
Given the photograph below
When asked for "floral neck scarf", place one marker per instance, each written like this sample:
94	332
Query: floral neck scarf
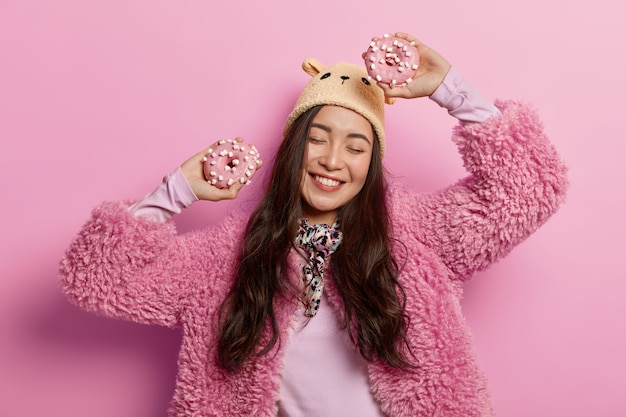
318	242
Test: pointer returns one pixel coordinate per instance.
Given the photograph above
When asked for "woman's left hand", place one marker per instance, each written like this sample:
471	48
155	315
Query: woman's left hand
430	73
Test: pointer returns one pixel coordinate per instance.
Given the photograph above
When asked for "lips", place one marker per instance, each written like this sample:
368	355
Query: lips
328	182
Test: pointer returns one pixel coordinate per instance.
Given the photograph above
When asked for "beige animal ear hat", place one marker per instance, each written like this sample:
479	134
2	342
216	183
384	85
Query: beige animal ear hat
346	85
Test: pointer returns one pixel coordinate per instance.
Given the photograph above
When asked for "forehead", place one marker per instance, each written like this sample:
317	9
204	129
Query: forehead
343	120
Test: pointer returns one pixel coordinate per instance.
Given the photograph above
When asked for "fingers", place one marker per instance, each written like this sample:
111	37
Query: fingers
194	171
416	88
205	191
217	194
408	37
395	92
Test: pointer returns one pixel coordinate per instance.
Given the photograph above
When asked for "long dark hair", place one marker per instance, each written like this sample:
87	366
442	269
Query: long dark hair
365	273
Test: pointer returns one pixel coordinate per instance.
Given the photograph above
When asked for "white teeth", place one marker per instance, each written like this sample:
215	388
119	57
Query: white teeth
327	181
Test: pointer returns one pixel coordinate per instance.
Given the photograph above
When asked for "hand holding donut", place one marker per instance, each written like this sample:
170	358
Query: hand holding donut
425	75
210	172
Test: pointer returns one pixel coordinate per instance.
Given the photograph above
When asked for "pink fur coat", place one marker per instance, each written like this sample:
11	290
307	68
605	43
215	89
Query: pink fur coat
141	270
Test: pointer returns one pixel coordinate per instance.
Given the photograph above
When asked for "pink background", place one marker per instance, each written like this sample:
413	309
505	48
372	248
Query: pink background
98	100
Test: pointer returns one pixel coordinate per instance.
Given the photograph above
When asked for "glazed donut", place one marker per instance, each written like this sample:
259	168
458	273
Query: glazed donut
392	60
230	161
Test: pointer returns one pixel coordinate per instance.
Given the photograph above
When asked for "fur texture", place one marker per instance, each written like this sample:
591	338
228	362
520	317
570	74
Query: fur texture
140	270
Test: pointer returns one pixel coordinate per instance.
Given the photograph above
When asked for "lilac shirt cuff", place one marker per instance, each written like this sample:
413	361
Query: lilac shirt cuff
462	100
171	197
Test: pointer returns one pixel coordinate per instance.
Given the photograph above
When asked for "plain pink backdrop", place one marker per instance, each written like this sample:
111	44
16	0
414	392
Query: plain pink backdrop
98	100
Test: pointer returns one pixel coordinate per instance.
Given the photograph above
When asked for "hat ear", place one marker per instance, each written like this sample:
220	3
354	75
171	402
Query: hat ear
312	66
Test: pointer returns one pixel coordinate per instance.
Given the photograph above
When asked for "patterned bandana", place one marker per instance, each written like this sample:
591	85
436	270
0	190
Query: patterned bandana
318	242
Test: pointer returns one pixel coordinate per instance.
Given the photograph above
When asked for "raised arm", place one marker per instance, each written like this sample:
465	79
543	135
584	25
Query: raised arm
517	180
127	260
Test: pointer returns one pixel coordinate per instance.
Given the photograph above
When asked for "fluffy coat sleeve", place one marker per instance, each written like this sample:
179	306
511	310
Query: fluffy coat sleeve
134	268
517	181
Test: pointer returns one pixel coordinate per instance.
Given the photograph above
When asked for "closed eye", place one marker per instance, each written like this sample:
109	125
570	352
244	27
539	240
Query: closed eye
355	150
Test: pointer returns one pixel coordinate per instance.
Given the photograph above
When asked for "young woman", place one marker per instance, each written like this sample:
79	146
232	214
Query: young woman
338	295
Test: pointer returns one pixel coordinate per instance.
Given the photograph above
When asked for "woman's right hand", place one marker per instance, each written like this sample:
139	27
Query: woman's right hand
192	168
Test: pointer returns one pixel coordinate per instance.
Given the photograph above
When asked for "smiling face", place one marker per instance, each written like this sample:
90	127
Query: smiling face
336	162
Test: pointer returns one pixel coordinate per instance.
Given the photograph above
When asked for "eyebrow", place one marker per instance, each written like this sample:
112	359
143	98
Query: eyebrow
350	135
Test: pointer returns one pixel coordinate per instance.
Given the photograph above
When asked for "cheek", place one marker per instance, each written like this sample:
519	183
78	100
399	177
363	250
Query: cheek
361	171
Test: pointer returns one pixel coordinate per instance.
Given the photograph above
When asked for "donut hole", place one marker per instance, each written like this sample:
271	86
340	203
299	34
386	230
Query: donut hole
231	163
391	61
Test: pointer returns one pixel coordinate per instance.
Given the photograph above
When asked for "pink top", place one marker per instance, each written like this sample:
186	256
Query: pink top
323	374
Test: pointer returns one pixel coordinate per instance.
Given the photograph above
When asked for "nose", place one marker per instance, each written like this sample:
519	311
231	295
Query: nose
331	159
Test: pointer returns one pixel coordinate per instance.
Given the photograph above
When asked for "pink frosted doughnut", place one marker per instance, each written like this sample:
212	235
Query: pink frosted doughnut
229	162
392	60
